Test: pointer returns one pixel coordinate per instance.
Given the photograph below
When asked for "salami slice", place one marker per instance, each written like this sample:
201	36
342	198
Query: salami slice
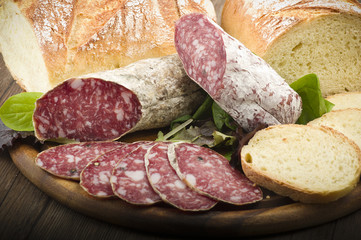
129	180
95	177
209	173
68	160
243	84
168	185
86	109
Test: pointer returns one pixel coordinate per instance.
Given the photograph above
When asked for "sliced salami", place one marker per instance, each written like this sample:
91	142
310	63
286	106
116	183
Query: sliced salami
209	173
86	109
243	84
68	160
168	185
95	177
129	180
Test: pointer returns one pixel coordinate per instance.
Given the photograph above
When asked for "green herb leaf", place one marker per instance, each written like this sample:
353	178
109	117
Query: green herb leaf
313	104
221	118
204	110
17	111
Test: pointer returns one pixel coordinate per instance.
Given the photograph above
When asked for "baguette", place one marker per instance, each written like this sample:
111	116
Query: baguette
298	37
46	42
306	163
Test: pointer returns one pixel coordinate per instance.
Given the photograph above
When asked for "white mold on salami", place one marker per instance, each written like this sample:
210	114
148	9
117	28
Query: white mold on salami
162	87
209	173
95	177
86	109
129	180
168	185
243	84
68	160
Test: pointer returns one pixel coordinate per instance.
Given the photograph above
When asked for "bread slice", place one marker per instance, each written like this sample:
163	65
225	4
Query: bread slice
347	121
345	100
301	37
306	163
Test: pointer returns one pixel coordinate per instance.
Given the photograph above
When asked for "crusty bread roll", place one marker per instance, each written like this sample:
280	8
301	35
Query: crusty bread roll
306	163
298	37
45	42
347	121
345	100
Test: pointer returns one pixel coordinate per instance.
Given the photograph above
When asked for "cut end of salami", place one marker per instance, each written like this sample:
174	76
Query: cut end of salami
209	173
86	109
200	46
242	84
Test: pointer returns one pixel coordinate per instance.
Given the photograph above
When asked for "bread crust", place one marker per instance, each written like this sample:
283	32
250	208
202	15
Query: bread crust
295	192
261	23
80	37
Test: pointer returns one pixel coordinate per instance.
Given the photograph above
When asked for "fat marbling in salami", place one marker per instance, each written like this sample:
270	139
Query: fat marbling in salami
243	84
95	177
129	179
210	173
68	160
86	109
168	185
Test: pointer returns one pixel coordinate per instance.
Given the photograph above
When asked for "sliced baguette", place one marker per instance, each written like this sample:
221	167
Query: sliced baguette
306	163
347	121
345	100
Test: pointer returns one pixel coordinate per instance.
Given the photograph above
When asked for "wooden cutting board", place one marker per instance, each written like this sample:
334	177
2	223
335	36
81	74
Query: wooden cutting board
274	214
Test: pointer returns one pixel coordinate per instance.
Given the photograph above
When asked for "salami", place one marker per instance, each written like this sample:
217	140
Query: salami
95	177
86	109
68	160
129	179
209	173
168	185
243	84
162	87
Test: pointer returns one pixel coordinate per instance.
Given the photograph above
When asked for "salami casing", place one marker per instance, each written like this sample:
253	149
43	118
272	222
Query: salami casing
95	177
68	160
129	179
243	84
208	172
168	185
86	109
162	87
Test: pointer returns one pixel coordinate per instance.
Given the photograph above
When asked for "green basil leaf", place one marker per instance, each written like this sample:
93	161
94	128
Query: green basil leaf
17	111
313	104
179	120
221	118
204	110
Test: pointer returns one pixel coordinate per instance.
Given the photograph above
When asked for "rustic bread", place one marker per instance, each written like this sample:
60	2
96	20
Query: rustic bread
46	42
298	37
307	163
345	100
346	121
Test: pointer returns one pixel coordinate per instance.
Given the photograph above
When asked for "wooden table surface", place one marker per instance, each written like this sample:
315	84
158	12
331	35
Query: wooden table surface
28	213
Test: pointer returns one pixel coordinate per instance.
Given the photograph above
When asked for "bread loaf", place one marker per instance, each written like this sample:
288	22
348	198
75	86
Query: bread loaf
306	163
298	37
345	100
44	42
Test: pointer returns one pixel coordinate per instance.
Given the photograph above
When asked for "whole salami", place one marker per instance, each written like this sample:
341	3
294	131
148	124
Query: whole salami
168	185
86	109
243	84
95	177
210	173
129	179
68	160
